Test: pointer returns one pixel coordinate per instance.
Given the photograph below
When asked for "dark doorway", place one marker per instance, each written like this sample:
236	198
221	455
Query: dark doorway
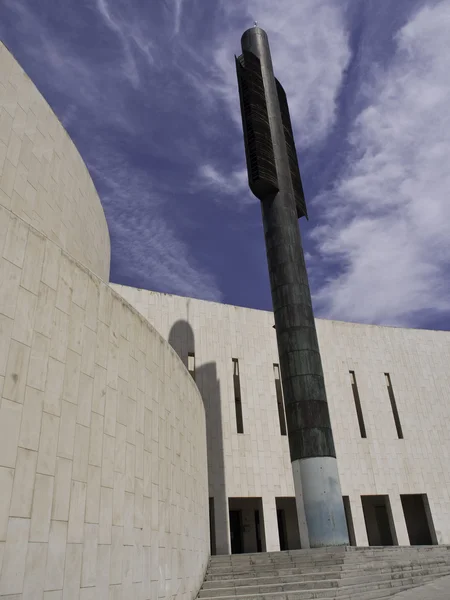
287	523
281	518
246	525
349	519
258	532
236	531
379	522
418	519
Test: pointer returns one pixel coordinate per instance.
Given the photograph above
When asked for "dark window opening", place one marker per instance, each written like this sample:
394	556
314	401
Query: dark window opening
379	521
419	522
394	406
281	518
287	520
191	364
362	427
349	519
237	396
247	533
280	402
212	526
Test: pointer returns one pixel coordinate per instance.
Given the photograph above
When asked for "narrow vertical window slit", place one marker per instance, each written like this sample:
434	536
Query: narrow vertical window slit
362	427
237	396
280	402
394	406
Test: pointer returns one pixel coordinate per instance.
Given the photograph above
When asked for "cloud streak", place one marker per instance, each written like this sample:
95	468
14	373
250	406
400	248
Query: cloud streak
389	224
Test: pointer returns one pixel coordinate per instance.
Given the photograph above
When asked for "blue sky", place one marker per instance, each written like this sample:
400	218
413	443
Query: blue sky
147	90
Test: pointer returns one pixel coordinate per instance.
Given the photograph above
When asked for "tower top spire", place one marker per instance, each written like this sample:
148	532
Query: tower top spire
255	24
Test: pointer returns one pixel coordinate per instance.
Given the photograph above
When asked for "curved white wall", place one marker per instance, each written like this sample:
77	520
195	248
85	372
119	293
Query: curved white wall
257	463
43	179
103	471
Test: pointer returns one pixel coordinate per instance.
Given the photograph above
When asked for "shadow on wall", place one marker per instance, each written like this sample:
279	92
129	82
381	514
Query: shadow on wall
181	338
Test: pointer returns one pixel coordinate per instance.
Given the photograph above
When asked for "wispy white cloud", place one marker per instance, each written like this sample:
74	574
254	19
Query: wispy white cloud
177	15
129	33
388	217
233	183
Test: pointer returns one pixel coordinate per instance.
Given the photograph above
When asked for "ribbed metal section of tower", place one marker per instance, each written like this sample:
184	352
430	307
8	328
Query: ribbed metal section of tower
274	178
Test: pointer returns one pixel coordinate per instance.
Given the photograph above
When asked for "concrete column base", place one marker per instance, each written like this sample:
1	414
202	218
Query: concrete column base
317	488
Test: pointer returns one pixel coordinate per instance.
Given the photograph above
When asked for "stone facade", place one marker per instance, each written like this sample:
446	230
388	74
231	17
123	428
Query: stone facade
103	472
257	463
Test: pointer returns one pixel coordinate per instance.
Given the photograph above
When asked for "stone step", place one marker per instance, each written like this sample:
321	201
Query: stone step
355	592
266	588
265	576
368	572
289	567
305	559
386	587
294	586
328	552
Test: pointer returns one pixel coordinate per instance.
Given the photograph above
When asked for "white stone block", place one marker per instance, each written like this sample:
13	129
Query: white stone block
81	453
67	430
35	571
72	571
62	489
10	418
89	564
16	241
115	573
76	512
54	387
56	556
55	595
6	484
103	561
72	377
118	499
76	329
93	494
99	391
14	559
6	326
48	444
58	344
30	428
108	461
106	512
85	391
43	317
34	260
16	372
110	411
41	509
23	487
24	316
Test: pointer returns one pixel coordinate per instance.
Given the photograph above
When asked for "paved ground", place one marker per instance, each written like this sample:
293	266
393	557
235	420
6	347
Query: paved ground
437	590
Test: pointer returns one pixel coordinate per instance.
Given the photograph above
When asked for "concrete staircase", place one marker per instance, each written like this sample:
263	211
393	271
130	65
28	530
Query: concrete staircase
344	573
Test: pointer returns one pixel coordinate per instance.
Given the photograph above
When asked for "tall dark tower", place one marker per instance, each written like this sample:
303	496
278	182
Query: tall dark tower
274	178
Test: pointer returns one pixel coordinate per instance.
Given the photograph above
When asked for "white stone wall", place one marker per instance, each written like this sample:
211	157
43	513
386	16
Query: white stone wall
257	464
43	179
103	469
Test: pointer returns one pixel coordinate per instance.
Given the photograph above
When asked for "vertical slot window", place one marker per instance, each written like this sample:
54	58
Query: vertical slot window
394	406
191	364
362	427
237	396
280	402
